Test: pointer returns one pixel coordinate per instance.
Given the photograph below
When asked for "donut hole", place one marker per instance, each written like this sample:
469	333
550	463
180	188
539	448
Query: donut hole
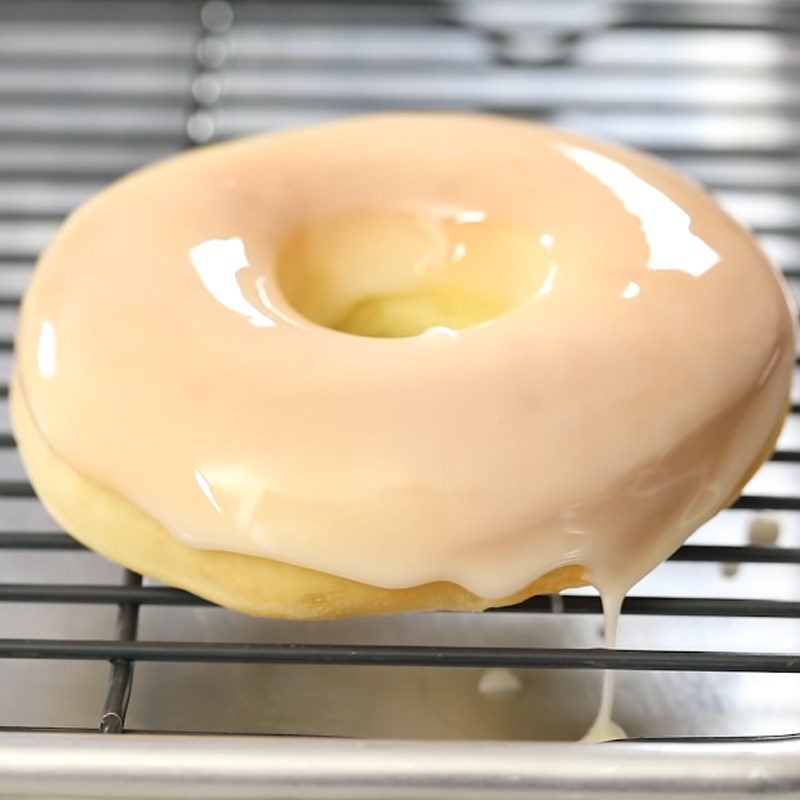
398	273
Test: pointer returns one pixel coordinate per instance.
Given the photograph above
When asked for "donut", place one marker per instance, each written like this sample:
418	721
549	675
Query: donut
400	362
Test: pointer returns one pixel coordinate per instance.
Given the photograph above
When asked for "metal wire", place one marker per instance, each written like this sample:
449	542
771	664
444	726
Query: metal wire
401	655
120	682
454	54
569	604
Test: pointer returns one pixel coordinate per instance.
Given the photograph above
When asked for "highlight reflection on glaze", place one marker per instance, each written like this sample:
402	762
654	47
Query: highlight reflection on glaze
46	350
632	290
218	262
665	224
205	488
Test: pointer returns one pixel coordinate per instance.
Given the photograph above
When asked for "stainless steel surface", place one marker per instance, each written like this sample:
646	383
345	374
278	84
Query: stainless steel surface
89	90
235	768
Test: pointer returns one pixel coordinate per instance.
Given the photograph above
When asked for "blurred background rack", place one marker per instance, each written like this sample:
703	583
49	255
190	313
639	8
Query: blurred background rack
710	643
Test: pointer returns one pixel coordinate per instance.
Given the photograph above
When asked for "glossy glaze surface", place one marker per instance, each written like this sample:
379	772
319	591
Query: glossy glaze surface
633	378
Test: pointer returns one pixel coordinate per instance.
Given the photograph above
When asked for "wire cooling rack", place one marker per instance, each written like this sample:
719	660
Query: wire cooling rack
90	90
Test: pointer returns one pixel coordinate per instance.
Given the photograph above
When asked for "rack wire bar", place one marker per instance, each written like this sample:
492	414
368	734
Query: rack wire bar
39	541
693	552
402	655
767	503
112	717
20	489
571	604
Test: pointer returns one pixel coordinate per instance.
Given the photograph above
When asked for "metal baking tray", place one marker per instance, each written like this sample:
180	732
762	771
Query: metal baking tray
111	685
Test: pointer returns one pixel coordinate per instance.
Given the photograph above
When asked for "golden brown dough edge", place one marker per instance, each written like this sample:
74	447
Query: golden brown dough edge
118	530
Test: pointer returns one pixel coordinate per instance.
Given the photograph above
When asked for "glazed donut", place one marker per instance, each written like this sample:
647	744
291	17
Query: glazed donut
401	362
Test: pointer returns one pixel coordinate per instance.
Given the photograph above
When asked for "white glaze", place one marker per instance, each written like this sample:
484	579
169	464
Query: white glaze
604	728
598	422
